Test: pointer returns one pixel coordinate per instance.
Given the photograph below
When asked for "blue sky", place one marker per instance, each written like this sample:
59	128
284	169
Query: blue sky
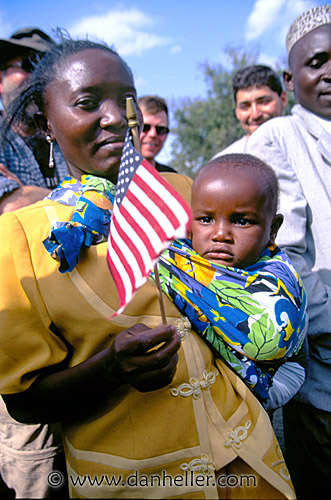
165	41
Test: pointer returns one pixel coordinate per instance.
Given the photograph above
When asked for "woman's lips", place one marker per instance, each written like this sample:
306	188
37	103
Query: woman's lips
111	144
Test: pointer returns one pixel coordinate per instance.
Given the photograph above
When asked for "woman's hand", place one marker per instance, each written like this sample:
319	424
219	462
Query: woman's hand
145	358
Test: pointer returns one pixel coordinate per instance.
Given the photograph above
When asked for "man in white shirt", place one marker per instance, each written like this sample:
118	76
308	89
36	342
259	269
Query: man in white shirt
298	147
258	96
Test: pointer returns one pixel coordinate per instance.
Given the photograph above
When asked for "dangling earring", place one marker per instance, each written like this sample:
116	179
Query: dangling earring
51	158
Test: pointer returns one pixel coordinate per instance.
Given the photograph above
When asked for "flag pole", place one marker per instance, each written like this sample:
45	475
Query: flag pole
131	114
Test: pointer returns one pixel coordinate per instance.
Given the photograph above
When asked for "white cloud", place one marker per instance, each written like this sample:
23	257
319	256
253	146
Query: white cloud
126	30
175	49
274	15
262	17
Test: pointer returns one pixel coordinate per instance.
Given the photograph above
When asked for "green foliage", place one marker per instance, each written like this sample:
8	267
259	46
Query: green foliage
264	343
205	126
237	297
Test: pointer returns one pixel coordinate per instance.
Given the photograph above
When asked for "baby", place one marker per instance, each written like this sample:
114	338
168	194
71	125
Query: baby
238	289
234	203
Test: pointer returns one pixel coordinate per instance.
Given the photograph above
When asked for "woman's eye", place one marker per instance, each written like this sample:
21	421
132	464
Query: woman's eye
86	103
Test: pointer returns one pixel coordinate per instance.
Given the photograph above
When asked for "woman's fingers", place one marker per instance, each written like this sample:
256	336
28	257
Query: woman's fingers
146	358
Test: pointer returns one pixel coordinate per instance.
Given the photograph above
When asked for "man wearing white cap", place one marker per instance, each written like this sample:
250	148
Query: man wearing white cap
298	147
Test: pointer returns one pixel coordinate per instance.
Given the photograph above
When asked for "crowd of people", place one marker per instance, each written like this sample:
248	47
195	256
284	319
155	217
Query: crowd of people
99	404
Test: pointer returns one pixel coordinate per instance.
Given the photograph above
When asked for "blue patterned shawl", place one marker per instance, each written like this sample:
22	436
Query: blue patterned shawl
253	318
92	198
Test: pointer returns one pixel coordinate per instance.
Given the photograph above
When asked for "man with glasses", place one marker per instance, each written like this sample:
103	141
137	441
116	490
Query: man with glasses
155	130
26	175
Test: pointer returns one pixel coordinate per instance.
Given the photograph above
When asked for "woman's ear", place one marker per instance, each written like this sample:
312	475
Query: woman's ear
277	221
288	80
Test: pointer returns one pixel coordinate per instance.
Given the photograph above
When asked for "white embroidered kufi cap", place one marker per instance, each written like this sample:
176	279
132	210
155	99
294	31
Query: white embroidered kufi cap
308	21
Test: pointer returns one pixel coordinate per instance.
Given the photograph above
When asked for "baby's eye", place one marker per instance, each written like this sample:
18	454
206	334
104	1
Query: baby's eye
242	221
205	219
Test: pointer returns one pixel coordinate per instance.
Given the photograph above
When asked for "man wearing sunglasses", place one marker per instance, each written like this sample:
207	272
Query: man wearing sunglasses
25	176
155	129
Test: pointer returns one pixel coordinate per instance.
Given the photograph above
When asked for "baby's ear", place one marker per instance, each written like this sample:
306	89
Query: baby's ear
277	221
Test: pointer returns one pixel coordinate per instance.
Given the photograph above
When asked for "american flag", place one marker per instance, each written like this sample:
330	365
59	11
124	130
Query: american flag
148	214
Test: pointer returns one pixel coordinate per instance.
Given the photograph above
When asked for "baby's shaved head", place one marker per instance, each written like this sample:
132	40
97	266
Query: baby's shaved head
248	163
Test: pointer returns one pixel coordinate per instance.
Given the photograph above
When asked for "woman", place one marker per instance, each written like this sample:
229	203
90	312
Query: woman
146	410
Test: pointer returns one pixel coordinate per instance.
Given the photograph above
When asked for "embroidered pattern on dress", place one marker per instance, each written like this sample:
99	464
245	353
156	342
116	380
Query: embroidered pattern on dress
194	387
283	468
202	465
183	326
237	435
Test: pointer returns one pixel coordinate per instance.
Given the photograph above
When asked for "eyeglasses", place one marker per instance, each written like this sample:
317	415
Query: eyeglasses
26	65
160	130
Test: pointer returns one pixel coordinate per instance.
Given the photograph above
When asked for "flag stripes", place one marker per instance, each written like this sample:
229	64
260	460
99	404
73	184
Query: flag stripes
148	214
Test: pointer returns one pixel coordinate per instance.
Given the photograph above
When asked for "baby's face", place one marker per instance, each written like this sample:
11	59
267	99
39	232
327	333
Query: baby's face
232	222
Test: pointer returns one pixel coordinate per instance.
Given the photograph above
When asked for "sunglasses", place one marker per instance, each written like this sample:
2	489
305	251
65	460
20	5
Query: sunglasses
160	130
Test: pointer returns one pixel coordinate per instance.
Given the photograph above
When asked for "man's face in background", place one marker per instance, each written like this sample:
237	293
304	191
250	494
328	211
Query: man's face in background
154	133
12	75
256	105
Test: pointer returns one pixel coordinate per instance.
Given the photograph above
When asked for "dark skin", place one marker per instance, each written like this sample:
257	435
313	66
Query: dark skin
70	394
309	75
85	113
232	218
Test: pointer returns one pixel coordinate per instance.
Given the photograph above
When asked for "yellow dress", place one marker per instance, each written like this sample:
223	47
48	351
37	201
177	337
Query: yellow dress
161	444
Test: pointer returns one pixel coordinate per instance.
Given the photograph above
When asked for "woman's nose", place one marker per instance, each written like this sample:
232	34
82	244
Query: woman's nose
112	116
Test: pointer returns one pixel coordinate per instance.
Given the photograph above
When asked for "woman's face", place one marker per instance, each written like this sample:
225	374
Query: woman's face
86	111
